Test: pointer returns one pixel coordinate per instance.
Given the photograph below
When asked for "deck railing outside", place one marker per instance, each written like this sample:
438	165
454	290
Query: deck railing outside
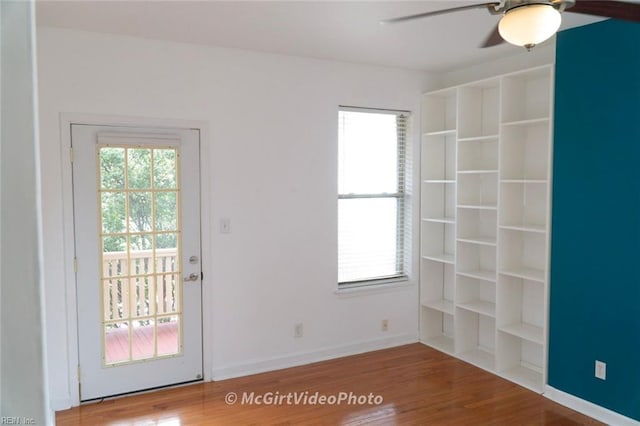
136	290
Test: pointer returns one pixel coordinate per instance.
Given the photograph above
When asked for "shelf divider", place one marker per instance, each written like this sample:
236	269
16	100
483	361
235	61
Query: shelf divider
481	307
528	332
442	305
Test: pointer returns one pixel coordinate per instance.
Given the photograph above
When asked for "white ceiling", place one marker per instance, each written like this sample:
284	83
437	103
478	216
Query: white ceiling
335	30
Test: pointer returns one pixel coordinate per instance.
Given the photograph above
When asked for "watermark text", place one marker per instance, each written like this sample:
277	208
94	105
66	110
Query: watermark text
17	420
302	398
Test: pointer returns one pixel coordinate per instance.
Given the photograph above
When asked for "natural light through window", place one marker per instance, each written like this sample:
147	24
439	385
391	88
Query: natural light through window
371	195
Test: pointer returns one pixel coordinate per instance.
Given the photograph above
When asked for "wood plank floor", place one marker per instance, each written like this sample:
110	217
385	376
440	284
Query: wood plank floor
419	386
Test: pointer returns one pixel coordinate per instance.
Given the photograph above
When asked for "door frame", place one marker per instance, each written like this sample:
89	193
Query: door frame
68	119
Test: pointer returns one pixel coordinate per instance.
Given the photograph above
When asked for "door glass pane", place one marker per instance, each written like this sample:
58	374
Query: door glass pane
139	168
168	335
143	339
116	336
112	168
114	256
167	294
114	212
115	298
166	218
140	219
140	256
143	296
164	169
167	240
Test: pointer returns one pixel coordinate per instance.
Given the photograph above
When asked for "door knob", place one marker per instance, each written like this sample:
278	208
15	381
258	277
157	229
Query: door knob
192	277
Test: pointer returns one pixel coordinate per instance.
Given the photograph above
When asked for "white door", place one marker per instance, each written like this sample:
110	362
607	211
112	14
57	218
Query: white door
136	199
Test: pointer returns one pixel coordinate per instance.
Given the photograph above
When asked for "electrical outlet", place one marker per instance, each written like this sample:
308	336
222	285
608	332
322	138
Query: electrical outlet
385	325
297	330
601	370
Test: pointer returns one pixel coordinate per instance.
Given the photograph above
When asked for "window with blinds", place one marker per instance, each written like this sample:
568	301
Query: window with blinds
371	196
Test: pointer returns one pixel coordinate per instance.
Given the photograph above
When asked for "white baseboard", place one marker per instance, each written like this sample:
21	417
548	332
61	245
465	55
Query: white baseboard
588	408
264	365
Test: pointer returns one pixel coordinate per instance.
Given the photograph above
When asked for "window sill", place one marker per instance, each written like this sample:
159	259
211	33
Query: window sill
382	287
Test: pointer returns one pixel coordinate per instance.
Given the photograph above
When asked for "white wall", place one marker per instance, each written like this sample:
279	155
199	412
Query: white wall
22	362
272	159
0	206
519	59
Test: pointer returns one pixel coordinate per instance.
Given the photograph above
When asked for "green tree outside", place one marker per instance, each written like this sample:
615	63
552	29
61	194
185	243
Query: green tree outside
147	212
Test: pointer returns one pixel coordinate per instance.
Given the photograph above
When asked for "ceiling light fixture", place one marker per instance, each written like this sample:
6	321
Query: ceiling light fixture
529	24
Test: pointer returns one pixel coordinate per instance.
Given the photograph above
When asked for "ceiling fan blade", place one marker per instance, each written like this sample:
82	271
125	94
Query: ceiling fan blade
493	39
608	8
492	6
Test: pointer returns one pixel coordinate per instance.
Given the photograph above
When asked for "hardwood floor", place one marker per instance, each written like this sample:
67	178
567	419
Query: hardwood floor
419	386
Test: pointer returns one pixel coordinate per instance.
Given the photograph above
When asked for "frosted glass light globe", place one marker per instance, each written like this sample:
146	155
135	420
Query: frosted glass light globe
529	25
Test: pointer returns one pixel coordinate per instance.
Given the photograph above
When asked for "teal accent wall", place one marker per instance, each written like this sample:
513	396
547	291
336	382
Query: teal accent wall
595	249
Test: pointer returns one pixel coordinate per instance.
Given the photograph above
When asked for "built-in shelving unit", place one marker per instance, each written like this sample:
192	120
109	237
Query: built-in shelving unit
438	214
485	209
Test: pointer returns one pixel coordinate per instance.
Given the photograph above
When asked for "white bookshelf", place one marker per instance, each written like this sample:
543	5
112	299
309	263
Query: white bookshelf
476	295
478	110
477	226
476	260
478	189
478	155
438	213
475	338
485	210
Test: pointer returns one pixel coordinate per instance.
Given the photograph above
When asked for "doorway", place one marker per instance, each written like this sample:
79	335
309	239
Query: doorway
136	203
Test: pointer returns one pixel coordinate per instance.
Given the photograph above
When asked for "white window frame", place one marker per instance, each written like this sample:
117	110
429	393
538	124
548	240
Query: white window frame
400	195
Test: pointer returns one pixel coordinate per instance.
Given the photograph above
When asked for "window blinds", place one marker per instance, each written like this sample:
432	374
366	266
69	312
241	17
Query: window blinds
371	195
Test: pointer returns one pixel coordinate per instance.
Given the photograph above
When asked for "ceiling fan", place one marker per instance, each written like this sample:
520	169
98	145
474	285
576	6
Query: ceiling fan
530	22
